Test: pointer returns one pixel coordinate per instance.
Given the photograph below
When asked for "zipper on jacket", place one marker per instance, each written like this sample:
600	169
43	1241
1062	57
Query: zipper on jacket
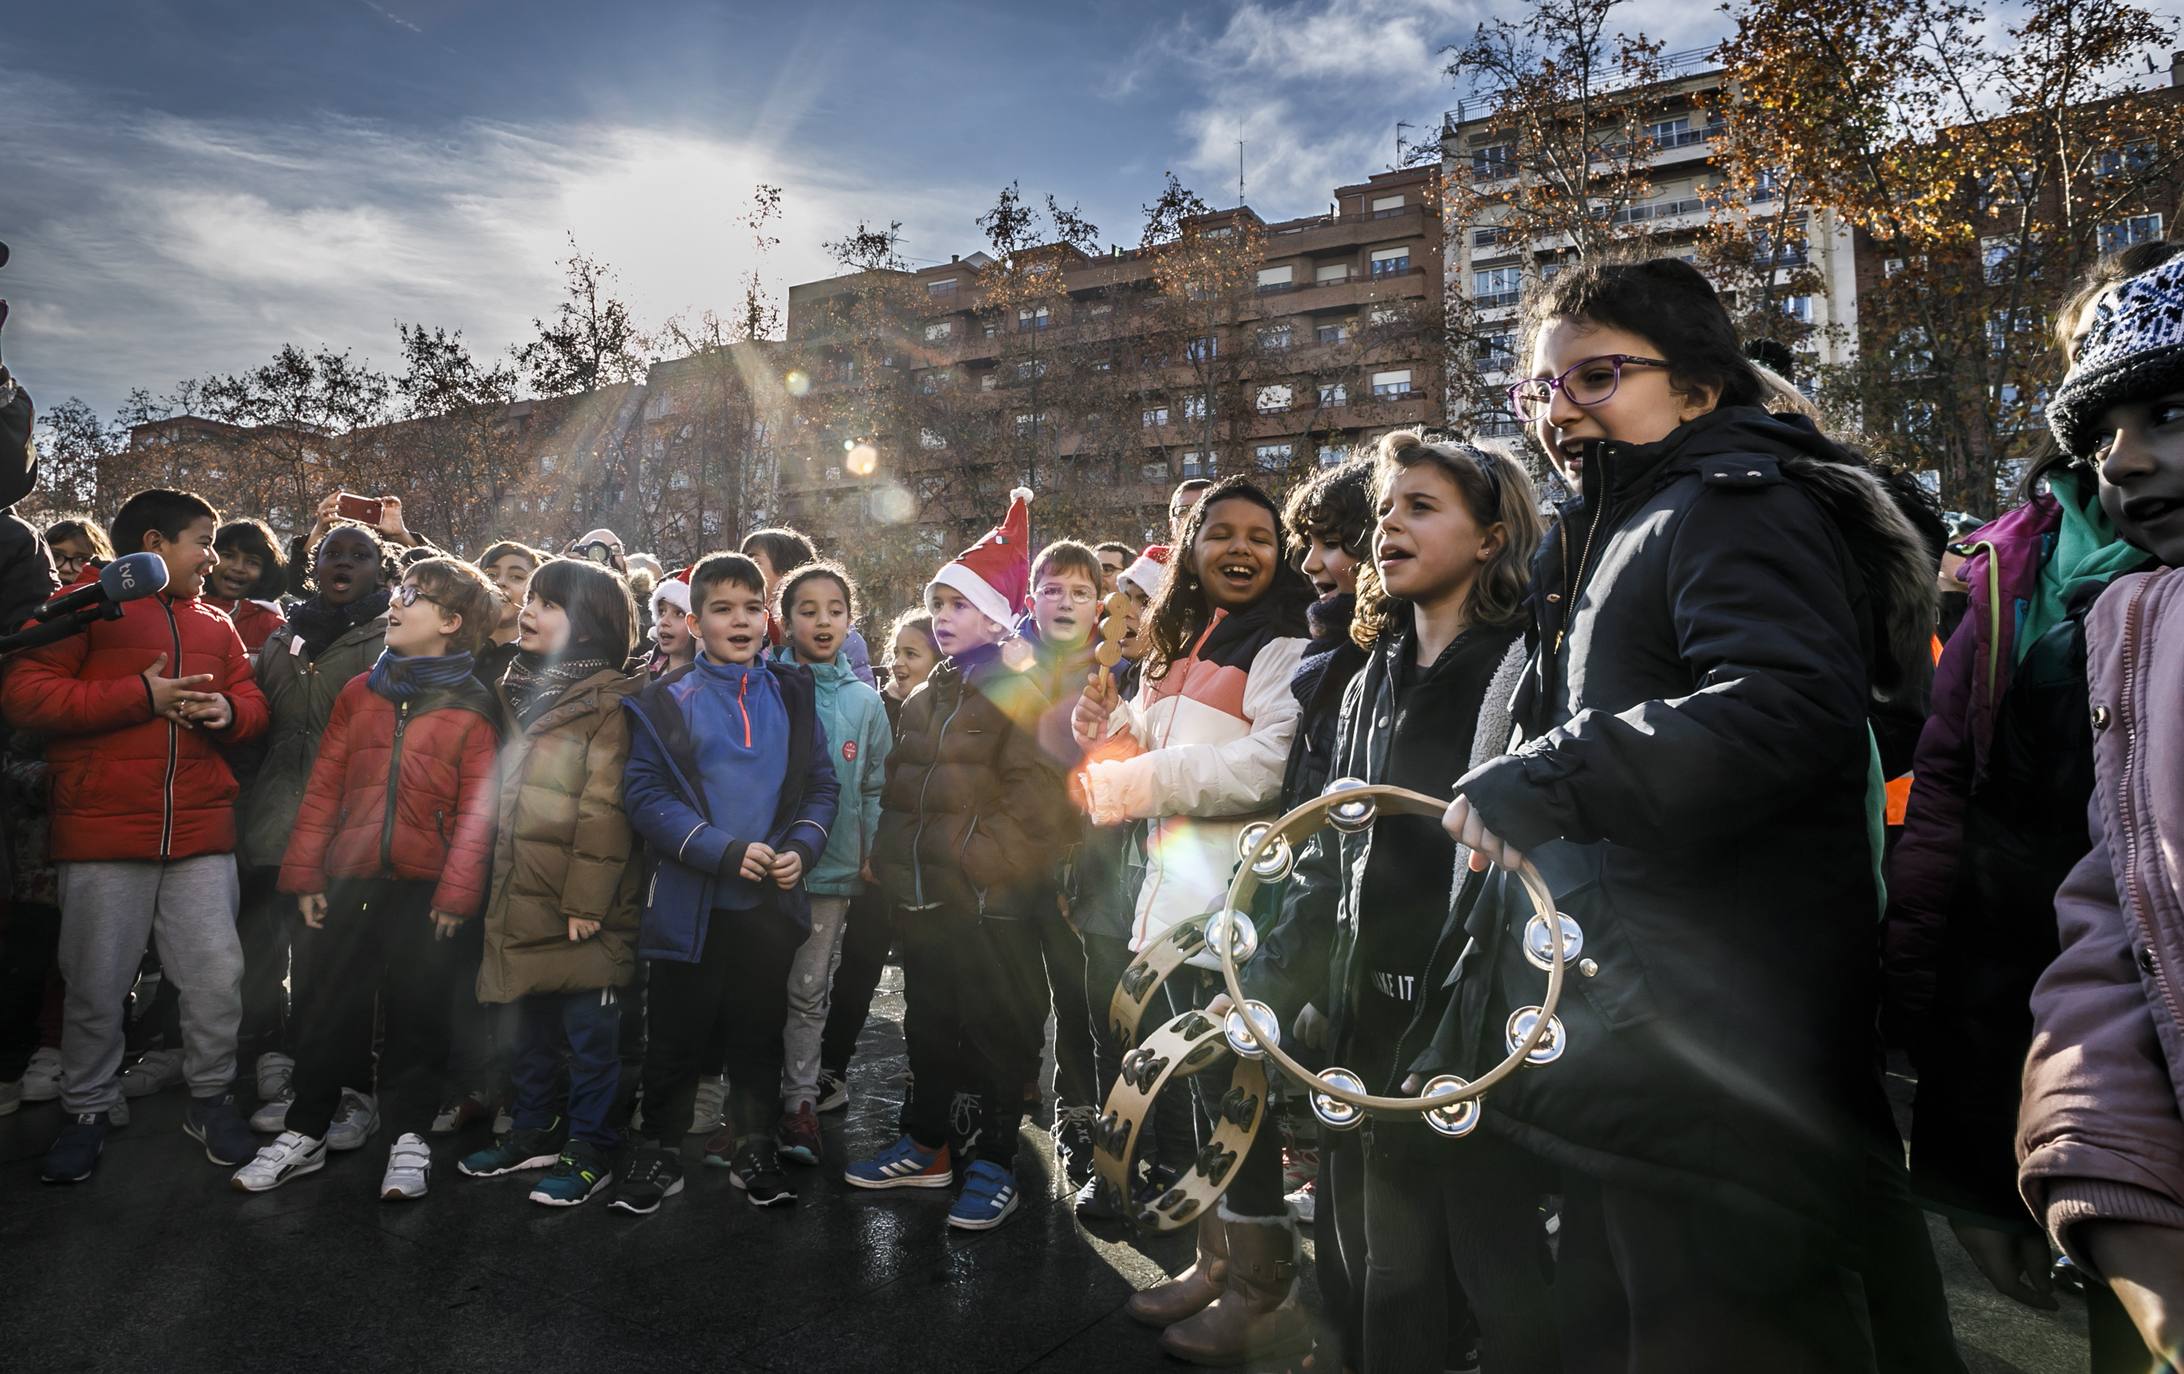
743	685
174	737
394	768
917	839
2126	793
1573	588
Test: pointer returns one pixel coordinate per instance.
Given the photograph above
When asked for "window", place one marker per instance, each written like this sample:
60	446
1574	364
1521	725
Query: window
1333	394
1382	316
2132	157
1497	352
1275	398
1490	236
1768	184
1277	278
1275	338
2135	230
1496	424
1331	454
1030	317
1102	364
1094	309
2001	324
930	383
1494	161
1388	262
989	327
1197	463
1384	206
1331	333
1776	253
1496	286
1798	308
1329	273
1030	421
939	329
1155	416
1201	348
1995	252
1273	457
1393	383
1194	407
987	381
1154	470
945	286
1675	133
929	439
1030	368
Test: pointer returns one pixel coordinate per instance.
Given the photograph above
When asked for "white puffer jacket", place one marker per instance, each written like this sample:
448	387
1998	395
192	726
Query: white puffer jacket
1210	740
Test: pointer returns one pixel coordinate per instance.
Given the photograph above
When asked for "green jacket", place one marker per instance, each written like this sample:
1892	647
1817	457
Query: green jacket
855	720
301	693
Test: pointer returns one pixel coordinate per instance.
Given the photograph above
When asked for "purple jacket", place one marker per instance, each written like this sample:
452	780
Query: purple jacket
1969	683
2101	1131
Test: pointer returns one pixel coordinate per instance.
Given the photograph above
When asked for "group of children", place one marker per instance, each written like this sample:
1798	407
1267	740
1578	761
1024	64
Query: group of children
665	876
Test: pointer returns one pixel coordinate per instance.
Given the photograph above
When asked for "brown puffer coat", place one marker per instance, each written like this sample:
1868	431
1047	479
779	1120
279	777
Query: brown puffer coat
564	849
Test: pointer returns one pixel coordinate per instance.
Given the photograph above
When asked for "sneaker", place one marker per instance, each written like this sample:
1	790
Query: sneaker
1073	1142
272	1116
409	1169
354	1121
833	1091
514	1153
987	1199
652	1176
1096	1201
289	1156
154	1071
276	1089
42	1080
214	1123
458	1116
798	1135
720	1148
904	1164
756	1173
75	1151
1304	1202
710	1112
11	1097
577	1174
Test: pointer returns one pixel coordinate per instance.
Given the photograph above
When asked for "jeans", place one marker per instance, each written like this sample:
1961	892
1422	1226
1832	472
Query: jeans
580	1031
811	976
975	993
723	1012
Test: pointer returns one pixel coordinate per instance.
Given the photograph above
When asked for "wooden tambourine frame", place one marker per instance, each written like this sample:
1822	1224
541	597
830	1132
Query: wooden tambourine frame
1197	1040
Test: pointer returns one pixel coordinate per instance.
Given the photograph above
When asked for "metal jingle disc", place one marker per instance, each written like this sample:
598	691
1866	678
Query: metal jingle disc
1332	1111
1236	928
1540	954
1271	866
1250	1028
1457	1119
1351	816
1550	1045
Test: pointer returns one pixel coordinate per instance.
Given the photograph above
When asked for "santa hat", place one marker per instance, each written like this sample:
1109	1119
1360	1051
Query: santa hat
674	589
994	574
1145	574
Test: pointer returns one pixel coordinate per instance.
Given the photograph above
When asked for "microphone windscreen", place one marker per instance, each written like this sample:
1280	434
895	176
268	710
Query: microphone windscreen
133	575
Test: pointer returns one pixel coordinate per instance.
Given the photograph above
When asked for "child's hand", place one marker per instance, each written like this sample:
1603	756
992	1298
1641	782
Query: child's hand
1468	829
216	714
758	862
313	907
390	520
866	872
1088	722
329	510
581	929
788	866
444	926
169	693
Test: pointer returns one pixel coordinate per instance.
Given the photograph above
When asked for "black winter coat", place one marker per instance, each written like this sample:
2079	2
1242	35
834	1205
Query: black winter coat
1693	785
1318	684
973	808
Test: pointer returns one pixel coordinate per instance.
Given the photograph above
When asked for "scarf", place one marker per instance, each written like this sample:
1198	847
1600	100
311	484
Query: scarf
401	679
2087	552
534	682
318	624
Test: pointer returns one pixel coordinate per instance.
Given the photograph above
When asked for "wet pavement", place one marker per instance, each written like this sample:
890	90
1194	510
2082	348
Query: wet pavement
157	1265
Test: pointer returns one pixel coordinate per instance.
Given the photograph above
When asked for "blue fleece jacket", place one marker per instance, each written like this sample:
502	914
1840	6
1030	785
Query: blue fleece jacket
741	731
855	720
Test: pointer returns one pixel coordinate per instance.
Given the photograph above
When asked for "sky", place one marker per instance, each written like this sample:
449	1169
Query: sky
189	184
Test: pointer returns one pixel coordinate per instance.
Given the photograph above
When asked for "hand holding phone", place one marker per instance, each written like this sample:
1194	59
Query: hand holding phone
362	509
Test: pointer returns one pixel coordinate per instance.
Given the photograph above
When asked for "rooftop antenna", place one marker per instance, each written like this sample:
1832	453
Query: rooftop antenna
1400	126
1239	164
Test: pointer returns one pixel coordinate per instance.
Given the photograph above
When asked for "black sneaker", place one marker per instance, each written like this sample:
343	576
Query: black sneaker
1073	1142
1096	1201
653	1176
75	1151
214	1123
756	1169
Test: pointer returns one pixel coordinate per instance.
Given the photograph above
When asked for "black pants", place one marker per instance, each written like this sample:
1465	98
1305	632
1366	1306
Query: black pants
1464	1213
1338	1239
1183	1116
1648	1283
265	922
1904	1298
1061	948
975	992
478	1062
724	1012
1105	959
377	947
29	949
868	933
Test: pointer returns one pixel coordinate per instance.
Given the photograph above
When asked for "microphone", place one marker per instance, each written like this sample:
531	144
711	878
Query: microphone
125	579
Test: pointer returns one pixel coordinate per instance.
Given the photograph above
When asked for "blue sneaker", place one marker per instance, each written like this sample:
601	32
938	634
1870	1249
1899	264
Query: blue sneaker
214	1123
75	1151
988	1196
580	1172
904	1164
514	1153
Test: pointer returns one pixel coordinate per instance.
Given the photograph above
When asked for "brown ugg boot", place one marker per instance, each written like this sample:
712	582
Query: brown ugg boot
1188	1292
1257	1314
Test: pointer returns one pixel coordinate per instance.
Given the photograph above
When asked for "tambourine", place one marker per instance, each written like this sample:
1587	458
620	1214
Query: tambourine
1193	1042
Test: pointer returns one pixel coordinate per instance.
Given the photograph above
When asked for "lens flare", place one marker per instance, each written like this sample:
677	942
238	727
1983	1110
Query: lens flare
863	460
797	382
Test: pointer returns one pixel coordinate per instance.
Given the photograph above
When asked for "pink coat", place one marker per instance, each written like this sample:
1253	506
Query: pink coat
2101	1131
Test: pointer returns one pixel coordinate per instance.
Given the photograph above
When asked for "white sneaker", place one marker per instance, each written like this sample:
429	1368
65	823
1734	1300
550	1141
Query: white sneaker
272	1116
711	1111
409	1169
11	1096
354	1121
276	1089
42	1080
154	1071
289	1156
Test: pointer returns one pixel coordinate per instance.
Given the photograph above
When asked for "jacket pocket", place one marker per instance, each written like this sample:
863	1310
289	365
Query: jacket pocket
1619	992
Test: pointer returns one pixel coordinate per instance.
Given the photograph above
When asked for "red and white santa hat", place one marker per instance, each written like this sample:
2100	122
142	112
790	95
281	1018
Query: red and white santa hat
994	574
1145	574
673	591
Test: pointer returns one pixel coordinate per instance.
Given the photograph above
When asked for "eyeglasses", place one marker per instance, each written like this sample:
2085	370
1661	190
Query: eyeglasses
1076	596
1588	383
409	594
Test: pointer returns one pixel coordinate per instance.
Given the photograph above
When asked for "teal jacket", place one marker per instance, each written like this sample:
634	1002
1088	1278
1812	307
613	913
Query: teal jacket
855	720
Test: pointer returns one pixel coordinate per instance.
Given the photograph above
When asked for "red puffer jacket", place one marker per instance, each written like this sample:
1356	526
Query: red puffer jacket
401	792
255	621
128	784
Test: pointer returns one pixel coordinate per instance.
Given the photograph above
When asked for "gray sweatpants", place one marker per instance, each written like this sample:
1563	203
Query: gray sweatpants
811	982
109	908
